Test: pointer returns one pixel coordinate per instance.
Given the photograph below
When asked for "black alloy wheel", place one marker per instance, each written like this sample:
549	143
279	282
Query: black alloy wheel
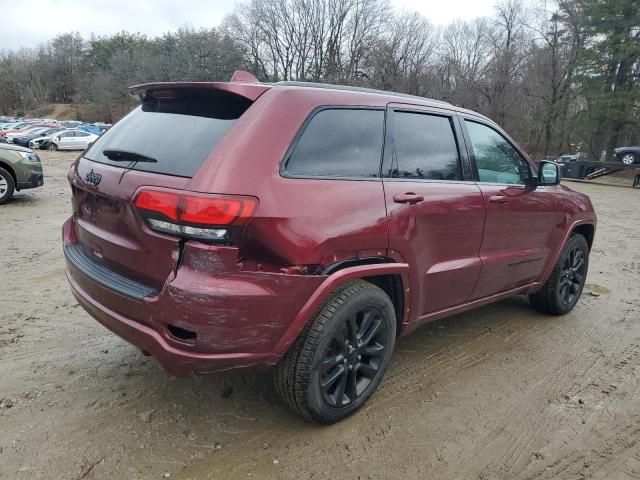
353	358
563	288
573	275
338	361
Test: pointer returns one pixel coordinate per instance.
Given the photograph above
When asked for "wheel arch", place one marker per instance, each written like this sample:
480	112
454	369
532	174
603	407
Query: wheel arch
391	283
587	230
11	171
585	227
389	275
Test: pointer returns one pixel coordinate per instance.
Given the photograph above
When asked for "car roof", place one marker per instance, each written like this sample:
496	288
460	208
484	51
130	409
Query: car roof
251	88
348	88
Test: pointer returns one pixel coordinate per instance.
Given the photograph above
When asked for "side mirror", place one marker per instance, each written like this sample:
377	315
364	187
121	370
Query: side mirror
548	173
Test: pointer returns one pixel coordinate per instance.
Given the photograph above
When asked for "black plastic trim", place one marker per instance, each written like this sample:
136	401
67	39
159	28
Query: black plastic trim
84	261
353	262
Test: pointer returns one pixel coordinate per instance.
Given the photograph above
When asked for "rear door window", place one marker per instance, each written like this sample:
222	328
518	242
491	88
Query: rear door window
177	128
339	142
424	147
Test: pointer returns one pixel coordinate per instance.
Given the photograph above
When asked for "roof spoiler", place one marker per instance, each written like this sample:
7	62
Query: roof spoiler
242	83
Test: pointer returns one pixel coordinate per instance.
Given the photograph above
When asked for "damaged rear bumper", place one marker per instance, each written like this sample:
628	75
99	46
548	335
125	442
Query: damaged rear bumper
236	318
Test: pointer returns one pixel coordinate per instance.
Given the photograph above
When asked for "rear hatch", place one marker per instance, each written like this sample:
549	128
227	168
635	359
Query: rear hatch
162	143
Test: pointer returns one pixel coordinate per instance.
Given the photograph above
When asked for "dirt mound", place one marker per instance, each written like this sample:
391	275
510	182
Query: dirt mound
73	111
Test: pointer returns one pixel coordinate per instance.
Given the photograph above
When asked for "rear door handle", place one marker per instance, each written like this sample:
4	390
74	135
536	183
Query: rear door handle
501	199
410	198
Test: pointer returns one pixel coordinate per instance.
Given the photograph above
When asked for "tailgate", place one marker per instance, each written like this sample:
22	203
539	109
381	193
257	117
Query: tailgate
110	229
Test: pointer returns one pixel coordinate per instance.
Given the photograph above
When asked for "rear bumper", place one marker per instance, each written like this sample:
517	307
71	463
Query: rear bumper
176	361
239	317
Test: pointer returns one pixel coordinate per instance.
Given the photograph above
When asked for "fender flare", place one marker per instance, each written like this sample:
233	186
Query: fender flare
11	171
567	236
333	281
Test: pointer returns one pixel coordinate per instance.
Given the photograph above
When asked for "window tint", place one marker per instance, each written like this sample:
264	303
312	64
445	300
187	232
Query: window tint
179	129
424	147
496	159
339	143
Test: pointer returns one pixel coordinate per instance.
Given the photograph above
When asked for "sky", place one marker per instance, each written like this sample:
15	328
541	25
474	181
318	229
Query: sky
27	23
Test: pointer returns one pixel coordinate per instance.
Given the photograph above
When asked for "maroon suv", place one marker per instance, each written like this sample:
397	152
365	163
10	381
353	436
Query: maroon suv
307	226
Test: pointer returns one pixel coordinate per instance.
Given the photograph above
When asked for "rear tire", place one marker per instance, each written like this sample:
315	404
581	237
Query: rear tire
338	361
7	186
562	290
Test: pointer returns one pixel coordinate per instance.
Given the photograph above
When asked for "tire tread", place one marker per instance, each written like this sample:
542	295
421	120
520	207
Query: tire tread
544	299
10	185
291	375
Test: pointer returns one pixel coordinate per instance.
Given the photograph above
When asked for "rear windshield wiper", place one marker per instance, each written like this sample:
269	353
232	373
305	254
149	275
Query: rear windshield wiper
124	156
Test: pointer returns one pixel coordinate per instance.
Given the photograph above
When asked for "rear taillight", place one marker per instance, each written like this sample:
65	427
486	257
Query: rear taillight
210	218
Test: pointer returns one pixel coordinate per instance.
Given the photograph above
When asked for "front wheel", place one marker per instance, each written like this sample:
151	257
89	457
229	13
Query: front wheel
562	290
628	158
338	361
6	186
53	147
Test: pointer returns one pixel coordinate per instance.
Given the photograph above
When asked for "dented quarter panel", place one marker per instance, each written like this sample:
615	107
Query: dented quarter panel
231	310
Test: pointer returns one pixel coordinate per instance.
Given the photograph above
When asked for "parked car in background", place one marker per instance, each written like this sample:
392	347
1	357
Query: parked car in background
12	126
7	135
20	169
71	140
42	142
25	140
194	235
70	123
627	155
90	128
572	158
103	126
36	129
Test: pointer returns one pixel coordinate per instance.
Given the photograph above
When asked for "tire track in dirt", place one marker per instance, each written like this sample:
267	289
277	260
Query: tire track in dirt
588	409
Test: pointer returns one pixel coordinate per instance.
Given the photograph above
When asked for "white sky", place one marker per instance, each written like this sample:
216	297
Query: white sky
26	23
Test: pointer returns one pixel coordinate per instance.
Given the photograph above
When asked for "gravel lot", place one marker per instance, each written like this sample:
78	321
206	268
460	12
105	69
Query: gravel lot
499	392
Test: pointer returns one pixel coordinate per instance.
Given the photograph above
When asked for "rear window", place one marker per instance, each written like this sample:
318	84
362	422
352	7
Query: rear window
179	130
339	143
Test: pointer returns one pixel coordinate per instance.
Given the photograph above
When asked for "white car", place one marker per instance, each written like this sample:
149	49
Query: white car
71	140
35	143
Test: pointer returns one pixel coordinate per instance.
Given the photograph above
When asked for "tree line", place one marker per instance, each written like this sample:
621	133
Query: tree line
560	76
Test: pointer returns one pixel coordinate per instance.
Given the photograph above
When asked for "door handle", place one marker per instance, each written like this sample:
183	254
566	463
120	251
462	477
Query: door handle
410	198
500	199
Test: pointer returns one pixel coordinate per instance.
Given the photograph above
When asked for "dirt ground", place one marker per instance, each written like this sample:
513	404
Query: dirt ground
498	393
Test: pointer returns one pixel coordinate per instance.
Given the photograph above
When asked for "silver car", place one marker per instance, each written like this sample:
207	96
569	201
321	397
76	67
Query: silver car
71	140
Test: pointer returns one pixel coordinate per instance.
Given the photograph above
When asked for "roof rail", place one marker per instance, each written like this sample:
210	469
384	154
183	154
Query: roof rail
330	86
